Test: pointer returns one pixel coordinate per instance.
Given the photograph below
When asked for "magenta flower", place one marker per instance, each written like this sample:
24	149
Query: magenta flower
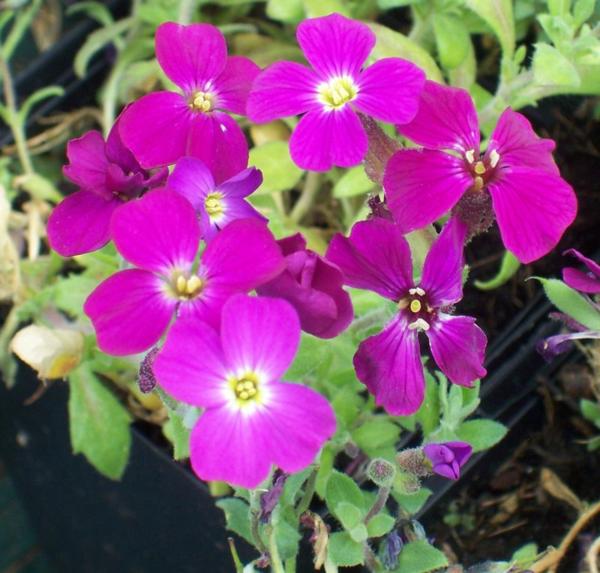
160	236
377	257
107	175
251	420
588	282
216	205
533	204
447	458
161	127
331	94
314	287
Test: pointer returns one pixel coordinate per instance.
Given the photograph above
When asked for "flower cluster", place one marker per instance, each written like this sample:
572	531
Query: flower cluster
171	188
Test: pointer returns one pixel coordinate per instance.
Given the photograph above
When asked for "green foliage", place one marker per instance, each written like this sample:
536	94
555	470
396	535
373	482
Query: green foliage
178	434
452	39
420	557
481	434
279	171
99	423
343	551
509	266
353	182
237	516
569	301
498	15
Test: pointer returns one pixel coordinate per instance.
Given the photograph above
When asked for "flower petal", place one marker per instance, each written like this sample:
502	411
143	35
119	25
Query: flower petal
335	45
581	281
228	446
192	179
458	348
233	85
389	365
130	312
242	184
422	185
158	232
326	138
533	209
442	270
295	423
281	90
375	257
80	223
259	335
241	257
218	140
192	55
518	145
156	128
87	162
116	152
191	366
389	90
446	120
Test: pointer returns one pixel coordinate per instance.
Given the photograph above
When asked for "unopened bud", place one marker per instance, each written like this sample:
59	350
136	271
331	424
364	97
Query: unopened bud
381	472
414	462
146	378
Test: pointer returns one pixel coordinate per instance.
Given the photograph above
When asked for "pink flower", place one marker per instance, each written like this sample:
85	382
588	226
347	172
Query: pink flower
377	257
447	458
314	287
216	205
533	204
252	420
161	127
331	94
107	175
160	236
588	282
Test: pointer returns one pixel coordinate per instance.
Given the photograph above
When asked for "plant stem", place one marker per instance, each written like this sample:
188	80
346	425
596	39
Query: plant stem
290	565
258	542
276	564
239	566
186	11
14	121
379	504
309	192
309	492
370	558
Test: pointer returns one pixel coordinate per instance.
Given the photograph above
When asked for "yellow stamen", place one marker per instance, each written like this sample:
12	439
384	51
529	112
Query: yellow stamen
245	388
415	306
202	101
214	205
419	324
186	288
479	168
337	92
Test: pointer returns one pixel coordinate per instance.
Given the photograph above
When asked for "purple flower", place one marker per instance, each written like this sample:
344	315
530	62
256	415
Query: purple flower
331	94
314	287
552	346
588	282
533	204
163	126
107	175
377	257
252	420
216	205
160	235
447	458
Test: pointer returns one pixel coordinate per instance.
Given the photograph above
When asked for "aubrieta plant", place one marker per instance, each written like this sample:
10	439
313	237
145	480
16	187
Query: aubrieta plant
289	365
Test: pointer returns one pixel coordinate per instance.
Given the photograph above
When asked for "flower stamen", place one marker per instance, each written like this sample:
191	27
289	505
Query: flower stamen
494	158
202	101
337	92
214	205
245	388
186	288
419	324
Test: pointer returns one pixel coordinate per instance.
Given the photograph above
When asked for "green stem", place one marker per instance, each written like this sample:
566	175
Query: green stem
258	542
382	496
14	121
186	11
276	564
309	192
309	492
290	565
239	566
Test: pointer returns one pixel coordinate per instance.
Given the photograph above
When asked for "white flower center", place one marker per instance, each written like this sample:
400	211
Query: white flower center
337	92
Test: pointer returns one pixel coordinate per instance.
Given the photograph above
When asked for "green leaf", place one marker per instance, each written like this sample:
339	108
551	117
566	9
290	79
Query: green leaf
375	434
481	434
526	555
412	503
420	557
359	533
317	8
97	40
342	488
71	292
353	182
348	515
552	68
95	10
559	7
380	525
279	171
344	551
40	187
289	11
326	460
590	411
569	301
391	44
509	266
582	11
452	39
286	532
99	423
293	485
37	97
179	436
498	15
237	515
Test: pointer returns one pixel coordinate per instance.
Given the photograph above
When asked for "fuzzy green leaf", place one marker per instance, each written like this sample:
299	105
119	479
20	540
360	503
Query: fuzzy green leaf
349	515
175	431
420	557
344	551
279	171
99	423
552	68
353	182
237	515
498	15
342	488
452	40
481	434
380	525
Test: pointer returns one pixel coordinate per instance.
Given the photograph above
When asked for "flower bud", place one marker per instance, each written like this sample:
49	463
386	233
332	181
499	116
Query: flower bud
381	472
447	458
414	462
146	378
